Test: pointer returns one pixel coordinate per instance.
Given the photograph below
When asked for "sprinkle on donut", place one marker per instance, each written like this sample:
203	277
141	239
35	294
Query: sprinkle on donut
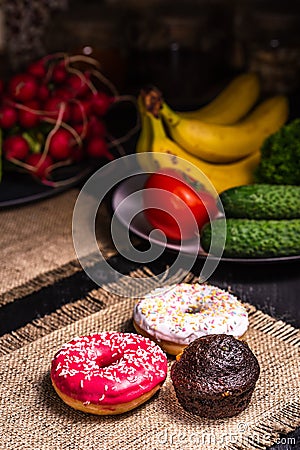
180	313
108	369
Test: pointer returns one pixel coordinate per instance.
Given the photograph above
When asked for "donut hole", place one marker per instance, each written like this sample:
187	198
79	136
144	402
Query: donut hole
106	361
193	309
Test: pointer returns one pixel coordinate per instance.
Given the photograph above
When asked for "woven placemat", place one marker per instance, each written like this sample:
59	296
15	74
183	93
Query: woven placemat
33	416
37	247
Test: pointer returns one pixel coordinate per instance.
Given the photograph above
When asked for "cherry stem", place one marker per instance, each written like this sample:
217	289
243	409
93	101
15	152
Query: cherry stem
84	120
22	164
66	182
57	55
53	131
83	78
67	127
27	108
134	129
106	82
87	59
115	143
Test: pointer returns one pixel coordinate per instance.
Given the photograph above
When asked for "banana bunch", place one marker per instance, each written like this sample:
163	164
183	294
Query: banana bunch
226	143
225	151
234	102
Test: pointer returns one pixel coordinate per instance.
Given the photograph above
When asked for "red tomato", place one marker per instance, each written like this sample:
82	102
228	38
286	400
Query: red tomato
172	216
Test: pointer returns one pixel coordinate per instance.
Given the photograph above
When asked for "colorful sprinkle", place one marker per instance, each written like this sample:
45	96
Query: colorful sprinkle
182	312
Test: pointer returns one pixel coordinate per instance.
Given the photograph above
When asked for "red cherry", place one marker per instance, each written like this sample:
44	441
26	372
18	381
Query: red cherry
37	69
97	148
101	103
29	119
78	127
8	116
40	168
43	92
63	93
23	87
15	147
59	73
96	128
78	85
79	111
61	144
52	107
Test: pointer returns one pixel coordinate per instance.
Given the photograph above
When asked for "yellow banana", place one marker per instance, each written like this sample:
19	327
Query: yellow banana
227	143
145	137
221	176
233	102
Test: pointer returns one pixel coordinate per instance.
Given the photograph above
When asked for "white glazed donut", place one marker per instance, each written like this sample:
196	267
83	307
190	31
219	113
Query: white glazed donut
176	315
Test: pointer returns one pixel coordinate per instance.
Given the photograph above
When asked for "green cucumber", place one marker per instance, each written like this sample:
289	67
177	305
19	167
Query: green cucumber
262	201
250	238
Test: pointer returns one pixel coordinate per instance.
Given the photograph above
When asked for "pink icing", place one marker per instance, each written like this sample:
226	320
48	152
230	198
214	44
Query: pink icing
108	368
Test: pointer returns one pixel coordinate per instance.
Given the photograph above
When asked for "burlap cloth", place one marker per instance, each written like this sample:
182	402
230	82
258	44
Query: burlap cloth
36	246
33	417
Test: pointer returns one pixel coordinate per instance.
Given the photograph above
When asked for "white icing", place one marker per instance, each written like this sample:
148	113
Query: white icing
163	313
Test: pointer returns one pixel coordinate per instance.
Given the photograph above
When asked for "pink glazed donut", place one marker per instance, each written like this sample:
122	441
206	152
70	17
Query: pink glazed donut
108	373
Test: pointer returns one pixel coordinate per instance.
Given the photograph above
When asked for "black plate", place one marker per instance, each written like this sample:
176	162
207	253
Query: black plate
20	188
141	227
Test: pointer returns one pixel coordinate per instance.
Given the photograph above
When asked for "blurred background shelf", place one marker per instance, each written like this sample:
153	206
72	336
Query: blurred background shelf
187	49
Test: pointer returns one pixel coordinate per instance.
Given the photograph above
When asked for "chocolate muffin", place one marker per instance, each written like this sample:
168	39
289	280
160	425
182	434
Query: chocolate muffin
215	376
